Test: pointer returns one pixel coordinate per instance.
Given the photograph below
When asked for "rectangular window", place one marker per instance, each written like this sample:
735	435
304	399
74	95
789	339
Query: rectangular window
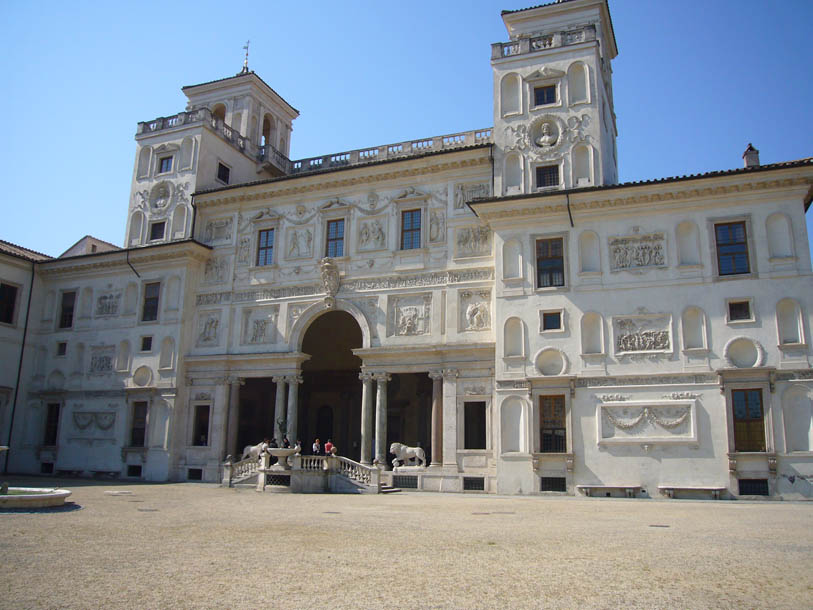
739	310
157	230
165	165
8	303
223	173
550	262
61	348
200	435
553	484
138	429
410	229
146	344
553	429
51	424
547	175
149	312
544	95
474	424
335	238
552	320
749	423
66	309
732	248
265	247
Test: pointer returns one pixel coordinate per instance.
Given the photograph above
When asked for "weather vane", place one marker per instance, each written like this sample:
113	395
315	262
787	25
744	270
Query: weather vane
245	61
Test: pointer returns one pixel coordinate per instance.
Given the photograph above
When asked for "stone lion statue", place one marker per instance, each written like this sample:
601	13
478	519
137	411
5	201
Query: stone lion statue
254	451
403	455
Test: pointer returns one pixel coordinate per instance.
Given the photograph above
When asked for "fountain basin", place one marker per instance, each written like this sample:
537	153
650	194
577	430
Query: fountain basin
282	456
33	497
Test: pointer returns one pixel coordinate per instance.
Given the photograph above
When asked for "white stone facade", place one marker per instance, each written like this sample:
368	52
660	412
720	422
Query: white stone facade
493	296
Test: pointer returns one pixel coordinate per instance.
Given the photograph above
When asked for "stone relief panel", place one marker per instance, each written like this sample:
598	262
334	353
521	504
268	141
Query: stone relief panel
647	423
300	243
216	271
260	325
475	310
244	251
218	231
642	334
464	193
472	241
108	303
294	312
372	235
410	315
101	359
632	252
437	226
208	328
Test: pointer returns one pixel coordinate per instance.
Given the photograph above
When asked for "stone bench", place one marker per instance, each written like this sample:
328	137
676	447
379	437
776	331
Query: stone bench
631	490
669	490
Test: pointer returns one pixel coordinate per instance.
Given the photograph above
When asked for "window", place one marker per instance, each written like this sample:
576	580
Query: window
149	312
200	434
265	247
739	311
550	262
61	348
553	429
165	165
553	484
157	230
51	424
551	320
547	175
410	229
749	423
544	95
335	238
474	424
732	248
146	344
138	428
66	309
8	303
223	172
133	470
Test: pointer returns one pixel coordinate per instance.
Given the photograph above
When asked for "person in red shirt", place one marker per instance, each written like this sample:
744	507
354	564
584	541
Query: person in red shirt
328	446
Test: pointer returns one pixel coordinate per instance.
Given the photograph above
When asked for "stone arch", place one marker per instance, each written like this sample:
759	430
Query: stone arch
688	243
780	237
789	322
512	176
589	252
693	326
512	425
582	165
578	85
305	319
511	259
219	112
510	94
797	411
513	338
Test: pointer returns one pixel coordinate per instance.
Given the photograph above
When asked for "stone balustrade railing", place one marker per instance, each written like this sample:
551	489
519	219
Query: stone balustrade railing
531	44
234	471
368	475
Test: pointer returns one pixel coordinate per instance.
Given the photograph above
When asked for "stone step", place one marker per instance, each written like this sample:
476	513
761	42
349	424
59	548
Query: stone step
388	489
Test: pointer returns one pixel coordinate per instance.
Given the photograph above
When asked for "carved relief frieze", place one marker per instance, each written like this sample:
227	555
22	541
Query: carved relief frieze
410	315
208	329
437	226
202	395
464	193
472	241
259	325
646	380
216	271
647	422
642	334
295	311
213	298
437	278
107	304
218	231
244	251
299	243
371	235
93	420
633	252
475	310
101	359
268	294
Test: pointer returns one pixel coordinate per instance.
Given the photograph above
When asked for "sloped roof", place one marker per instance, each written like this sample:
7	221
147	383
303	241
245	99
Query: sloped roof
7	247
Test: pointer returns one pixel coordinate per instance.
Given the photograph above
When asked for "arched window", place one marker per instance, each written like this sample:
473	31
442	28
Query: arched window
511	425
780	240
510	96
577	83
693	323
219	112
589	256
789	322
511	260
513	174
513	344
688	243
582	174
592	334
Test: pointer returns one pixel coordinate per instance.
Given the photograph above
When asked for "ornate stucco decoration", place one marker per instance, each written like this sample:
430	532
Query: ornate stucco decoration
410	195
216	271
475	310
647	422
544	73
473	241
643	334
410	315
107	304
300	243
633	252
218	231
463	193
744	352
85	420
371	234
331	280
208	328
101	359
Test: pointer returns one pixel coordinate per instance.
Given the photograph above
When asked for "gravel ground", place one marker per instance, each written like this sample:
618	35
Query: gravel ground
199	546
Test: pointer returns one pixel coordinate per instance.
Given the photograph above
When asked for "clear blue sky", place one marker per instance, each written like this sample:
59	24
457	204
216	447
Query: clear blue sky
695	81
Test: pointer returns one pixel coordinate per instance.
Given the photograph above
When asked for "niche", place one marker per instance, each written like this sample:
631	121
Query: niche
511	260
510	96
582	176
589	257
592	334
688	243
780	242
693	322
167	359
136	227
511	427
577	83
179	222
123	357
513	340
798	410
187	157
513	174
789	322
143	170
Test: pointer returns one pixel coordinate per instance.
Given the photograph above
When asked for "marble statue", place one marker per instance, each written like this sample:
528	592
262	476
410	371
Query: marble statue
403	455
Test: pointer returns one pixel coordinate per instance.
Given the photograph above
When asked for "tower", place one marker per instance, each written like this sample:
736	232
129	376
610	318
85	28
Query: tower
233	130
554	124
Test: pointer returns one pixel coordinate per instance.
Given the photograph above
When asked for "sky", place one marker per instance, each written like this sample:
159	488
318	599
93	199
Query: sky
695	81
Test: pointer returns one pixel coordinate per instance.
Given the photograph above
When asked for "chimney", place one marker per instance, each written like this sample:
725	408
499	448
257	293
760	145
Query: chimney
750	156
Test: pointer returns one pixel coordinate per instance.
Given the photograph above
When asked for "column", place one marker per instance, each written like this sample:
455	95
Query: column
366	417
449	394
437	417
279	409
234	414
293	413
220	416
381	450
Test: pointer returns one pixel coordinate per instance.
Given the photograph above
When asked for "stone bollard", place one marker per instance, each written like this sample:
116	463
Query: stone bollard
228	469
262	471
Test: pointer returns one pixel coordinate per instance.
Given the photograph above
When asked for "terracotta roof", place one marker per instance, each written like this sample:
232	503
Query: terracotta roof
530	8
240	75
78	241
24	253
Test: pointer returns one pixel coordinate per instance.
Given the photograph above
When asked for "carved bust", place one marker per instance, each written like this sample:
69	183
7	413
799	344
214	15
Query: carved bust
546	137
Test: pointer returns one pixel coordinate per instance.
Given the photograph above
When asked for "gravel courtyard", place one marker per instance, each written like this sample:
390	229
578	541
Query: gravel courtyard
200	546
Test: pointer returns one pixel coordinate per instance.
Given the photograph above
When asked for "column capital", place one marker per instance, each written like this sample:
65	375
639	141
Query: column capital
366	376
435	374
293	379
382	377
236	380
451	373
279	379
